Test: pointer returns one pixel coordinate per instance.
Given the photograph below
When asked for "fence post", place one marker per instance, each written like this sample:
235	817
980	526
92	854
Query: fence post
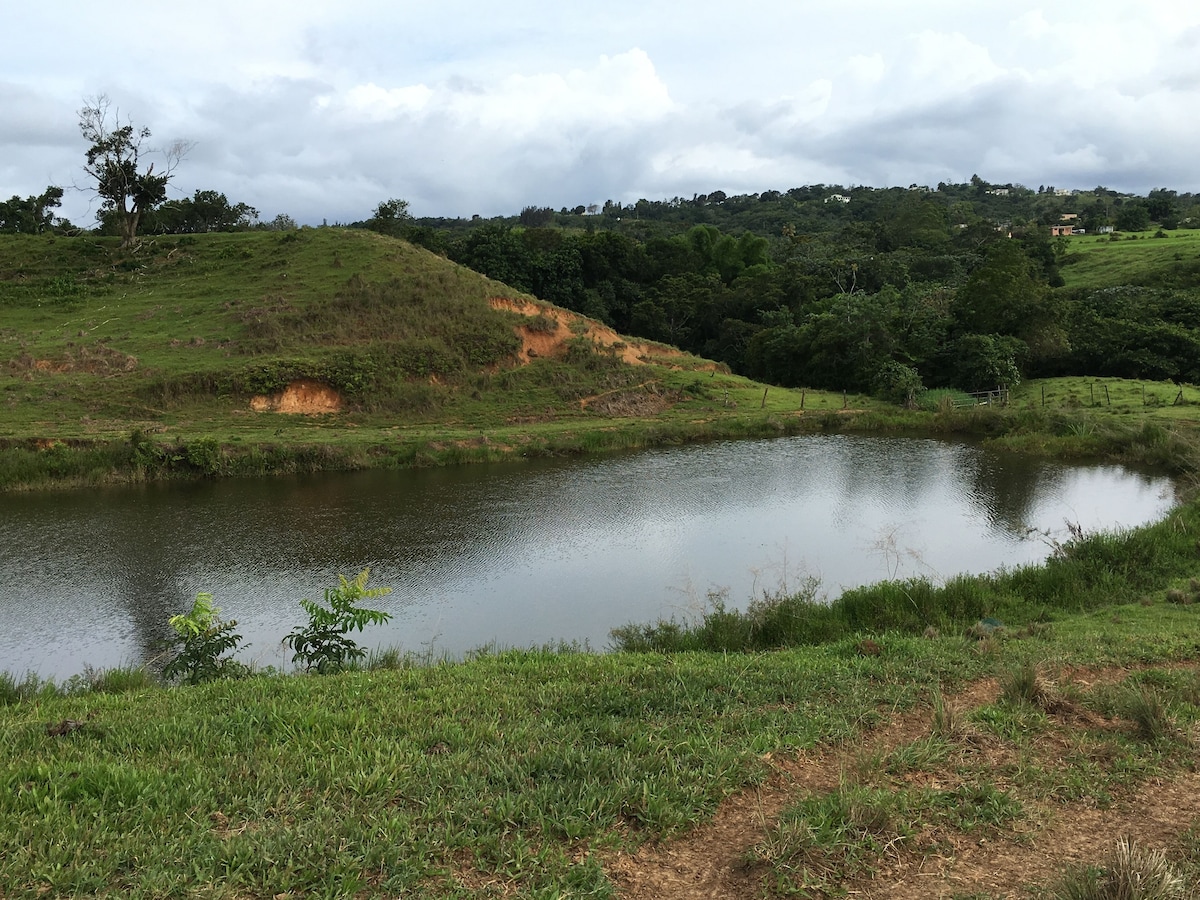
763	405
802	398
1043	395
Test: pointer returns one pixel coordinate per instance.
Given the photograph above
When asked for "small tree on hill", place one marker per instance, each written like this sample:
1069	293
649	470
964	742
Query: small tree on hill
391	218
114	162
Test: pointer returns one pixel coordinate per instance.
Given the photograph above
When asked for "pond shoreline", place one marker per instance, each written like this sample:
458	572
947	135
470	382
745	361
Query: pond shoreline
49	464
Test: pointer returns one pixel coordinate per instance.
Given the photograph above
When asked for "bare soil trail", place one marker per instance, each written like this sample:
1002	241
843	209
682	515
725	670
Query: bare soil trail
717	860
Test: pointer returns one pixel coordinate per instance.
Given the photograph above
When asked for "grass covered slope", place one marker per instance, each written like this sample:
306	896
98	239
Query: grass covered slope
188	327
177	357
1170	261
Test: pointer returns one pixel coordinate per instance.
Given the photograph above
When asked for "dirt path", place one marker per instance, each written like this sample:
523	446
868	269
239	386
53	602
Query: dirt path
714	861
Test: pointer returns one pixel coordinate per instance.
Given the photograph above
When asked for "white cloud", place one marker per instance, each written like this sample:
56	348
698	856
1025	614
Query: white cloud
867	70
371	103
616	91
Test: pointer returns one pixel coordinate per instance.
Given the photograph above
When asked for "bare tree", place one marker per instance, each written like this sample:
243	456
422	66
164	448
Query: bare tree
114	163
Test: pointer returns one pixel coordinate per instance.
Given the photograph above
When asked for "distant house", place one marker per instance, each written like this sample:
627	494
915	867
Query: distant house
1064	192
1104	229
1061	230
840	198
998	192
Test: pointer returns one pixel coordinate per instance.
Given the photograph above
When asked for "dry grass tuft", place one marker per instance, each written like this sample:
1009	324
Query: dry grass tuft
1129	873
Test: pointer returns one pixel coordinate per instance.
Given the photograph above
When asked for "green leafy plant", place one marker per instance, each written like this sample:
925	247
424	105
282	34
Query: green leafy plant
324	643
201	642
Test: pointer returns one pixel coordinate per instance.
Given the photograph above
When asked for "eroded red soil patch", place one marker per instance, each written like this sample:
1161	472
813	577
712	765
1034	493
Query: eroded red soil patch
542	341
304	397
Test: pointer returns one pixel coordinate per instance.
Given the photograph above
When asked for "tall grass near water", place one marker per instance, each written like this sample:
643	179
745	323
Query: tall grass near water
1088	573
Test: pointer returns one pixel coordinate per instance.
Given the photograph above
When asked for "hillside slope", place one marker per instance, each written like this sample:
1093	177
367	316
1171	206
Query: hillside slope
221	338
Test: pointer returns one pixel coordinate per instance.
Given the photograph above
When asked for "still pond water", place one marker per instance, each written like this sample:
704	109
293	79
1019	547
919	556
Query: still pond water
518	554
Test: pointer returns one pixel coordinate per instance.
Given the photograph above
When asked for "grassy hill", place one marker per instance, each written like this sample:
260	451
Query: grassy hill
1098	261
193	352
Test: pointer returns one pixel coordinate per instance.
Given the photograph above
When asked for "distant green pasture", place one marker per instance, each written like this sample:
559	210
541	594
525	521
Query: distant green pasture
1098	261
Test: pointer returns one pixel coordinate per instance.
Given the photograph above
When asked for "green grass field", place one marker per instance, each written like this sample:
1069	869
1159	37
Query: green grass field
1142	259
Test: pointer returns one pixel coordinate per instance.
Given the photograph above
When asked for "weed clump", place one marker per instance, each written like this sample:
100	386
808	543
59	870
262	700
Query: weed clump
1028	684
947	722
1129	873
1150	716
772	621
14	691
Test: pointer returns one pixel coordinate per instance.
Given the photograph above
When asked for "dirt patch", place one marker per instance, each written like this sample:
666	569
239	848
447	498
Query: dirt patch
712	861
549	336
716	859
96	359
303	397
639	401
1075	836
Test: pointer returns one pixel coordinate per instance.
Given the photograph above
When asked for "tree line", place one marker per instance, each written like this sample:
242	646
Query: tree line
891	301
132	191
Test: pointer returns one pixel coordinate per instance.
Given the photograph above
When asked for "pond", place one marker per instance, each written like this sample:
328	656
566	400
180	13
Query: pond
527	553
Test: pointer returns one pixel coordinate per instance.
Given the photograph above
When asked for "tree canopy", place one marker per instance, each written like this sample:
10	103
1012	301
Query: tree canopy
33	215
203	212
114	163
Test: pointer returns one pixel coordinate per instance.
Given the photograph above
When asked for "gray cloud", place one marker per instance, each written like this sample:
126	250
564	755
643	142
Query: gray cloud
322	112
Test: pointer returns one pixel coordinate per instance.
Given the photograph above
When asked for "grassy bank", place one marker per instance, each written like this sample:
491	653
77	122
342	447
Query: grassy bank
1091	572
1045	418
523	774
175	360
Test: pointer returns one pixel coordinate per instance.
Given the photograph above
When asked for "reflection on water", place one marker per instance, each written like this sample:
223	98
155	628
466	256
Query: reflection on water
524	553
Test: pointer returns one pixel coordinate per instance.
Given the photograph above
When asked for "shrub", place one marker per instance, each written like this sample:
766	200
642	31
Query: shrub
898	383
202	641
324	644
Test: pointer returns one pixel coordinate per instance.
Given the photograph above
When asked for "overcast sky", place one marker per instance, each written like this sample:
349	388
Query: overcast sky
320	110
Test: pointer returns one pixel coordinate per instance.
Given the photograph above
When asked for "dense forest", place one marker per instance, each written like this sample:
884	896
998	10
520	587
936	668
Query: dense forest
885	291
